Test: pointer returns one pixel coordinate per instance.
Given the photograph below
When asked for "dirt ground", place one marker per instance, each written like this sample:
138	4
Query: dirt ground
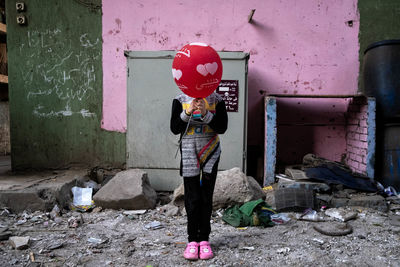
112	238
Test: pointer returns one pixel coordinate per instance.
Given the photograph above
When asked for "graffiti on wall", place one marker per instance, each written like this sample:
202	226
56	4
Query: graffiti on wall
62	74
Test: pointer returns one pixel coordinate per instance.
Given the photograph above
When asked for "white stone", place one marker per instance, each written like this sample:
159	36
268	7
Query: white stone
19	242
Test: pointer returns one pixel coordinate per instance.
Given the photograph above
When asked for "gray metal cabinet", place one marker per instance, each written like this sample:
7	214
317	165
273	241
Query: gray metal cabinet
150	144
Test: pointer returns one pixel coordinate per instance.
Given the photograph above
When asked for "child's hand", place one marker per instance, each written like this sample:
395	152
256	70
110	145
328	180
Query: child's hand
191	107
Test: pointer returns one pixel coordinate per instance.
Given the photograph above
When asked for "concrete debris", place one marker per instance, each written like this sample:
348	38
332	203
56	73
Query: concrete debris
110	234
5	234
170	210
96	241
92	184
129	190
373	201
134	212
74	222
232	187
55	212
97	209
394	207
341	214
39	191
318	241
178	197
394	199
394	220
55	245
296	174
284	250
5	212
19	242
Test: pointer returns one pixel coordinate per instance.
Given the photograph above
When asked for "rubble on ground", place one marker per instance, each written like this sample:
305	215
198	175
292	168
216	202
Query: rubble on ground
150	237
320	224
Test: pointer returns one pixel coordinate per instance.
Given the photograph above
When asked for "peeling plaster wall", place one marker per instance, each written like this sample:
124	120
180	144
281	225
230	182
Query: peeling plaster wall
55	88
296	47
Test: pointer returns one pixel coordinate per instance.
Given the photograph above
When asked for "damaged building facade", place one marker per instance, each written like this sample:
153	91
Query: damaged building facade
67	76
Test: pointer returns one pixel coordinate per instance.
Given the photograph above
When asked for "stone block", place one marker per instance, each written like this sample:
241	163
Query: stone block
369	201
128	190
19	242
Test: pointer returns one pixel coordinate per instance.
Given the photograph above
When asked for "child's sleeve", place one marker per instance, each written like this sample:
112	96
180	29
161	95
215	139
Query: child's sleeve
219	121
177	125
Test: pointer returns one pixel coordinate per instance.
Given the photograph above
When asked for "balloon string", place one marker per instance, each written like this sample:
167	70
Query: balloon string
180	140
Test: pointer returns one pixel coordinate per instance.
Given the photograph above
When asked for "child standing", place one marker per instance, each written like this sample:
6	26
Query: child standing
200	153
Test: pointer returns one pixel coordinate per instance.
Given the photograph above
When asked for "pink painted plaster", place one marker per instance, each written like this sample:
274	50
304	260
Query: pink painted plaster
296	46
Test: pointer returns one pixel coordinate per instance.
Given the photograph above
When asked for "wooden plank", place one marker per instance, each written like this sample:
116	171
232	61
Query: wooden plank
3	78
3	28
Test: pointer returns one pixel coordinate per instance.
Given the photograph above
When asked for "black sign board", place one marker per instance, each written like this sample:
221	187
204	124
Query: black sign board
229	90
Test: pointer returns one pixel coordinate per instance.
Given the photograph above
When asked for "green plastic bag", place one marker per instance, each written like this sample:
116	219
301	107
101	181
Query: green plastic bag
253	213
235	217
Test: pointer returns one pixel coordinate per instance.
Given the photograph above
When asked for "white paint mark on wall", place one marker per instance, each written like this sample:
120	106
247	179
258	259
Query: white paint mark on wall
67	112
56	70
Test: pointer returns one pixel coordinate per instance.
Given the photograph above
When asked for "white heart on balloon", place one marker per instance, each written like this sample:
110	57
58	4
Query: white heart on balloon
211	67
202	69
177	74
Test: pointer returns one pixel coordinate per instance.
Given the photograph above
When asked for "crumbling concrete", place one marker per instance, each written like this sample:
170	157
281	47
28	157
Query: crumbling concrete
34	191
128	189
19	242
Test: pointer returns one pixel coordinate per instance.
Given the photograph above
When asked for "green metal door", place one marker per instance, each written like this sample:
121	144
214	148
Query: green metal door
150	144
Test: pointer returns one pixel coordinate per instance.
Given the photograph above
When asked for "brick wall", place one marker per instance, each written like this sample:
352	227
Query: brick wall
360	135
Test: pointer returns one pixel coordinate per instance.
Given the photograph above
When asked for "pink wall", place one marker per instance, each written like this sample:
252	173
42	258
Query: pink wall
296	46
311	125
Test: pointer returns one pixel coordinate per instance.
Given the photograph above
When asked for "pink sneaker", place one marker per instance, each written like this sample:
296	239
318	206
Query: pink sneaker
205	250
191	251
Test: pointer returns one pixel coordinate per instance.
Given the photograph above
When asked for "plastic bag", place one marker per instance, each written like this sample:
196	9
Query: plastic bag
82	196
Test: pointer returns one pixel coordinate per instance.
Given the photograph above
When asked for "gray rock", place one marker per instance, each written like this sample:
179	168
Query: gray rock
393	199
129	190
232	187
4	234
19	242
337	202
374	201
170	210
341	214
178	198
394	220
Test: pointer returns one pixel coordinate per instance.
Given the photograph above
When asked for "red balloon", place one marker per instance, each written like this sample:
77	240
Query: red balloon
197	70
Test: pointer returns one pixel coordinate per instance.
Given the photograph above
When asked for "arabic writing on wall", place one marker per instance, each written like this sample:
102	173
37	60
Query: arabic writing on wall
62	72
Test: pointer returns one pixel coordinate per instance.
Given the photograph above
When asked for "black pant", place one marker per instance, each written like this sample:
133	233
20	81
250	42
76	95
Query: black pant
198	205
